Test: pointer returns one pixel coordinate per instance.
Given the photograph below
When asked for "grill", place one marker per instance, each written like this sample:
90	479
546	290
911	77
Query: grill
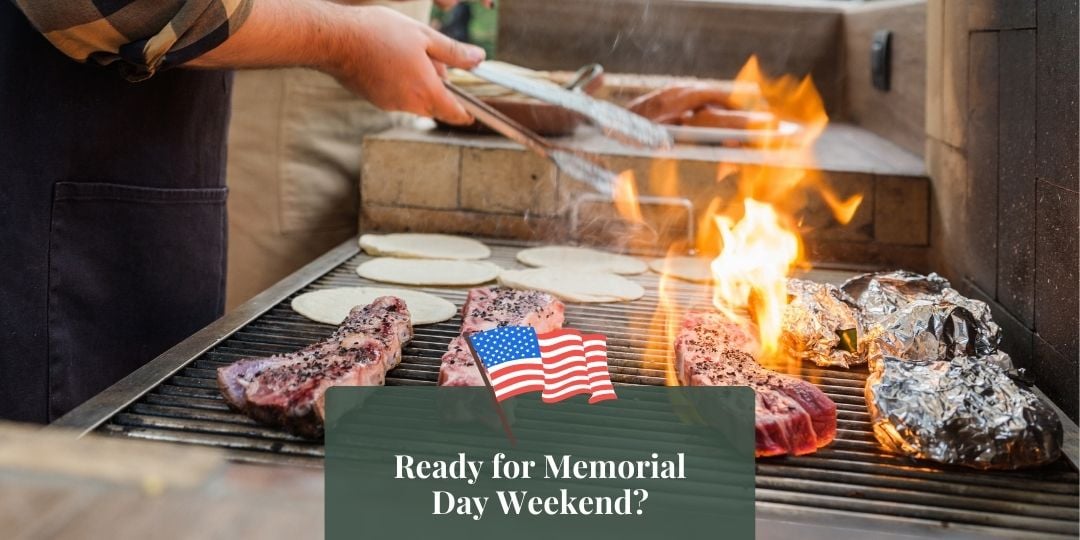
850	484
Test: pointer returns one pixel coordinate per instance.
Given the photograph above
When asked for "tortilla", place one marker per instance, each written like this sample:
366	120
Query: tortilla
424	246
581	258
694	269
574	284
331	306
428	271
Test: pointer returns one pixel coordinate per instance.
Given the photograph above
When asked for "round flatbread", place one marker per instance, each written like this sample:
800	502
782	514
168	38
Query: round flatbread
694	269
331	306
428	271
574	284
579	257
424	246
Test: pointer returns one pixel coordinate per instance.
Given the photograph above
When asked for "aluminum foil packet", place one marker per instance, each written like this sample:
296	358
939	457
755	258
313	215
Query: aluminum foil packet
880	294
961	411
936	392
934	330
822	324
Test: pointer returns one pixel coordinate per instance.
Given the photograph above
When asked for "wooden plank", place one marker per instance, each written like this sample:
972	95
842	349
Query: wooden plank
54	452
982	153
1016	175
53	485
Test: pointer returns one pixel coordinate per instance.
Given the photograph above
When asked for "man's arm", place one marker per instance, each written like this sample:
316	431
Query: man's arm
388	58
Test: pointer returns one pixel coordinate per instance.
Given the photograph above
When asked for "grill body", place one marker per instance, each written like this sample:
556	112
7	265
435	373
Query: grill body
851	485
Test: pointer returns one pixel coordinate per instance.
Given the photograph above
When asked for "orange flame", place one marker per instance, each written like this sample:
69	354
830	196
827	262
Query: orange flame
749	229
844	210
751	272
625	196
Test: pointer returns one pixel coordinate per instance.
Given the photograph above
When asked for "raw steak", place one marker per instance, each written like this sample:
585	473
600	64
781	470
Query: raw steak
792	415
288	390
491	307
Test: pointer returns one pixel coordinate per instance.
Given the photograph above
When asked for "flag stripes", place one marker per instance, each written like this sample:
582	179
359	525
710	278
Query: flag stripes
559	364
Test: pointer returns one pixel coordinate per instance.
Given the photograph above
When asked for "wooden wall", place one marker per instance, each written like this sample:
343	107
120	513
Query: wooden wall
1002	151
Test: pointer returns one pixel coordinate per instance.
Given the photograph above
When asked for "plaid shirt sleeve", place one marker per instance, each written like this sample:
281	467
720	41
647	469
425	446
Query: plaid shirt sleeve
139	37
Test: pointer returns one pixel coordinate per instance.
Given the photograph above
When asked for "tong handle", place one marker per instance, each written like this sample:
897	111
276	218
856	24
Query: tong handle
496	120
576	164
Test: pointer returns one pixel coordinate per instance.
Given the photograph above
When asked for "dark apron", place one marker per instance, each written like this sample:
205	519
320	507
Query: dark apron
112	219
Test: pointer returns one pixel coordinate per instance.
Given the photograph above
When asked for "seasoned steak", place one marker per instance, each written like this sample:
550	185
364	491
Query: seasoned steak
792	416
492	307
288	390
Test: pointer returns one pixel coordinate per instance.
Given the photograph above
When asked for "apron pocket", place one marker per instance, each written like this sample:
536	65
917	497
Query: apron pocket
132	271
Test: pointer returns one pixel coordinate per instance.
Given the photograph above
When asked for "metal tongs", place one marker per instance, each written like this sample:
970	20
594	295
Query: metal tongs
616	122
584	167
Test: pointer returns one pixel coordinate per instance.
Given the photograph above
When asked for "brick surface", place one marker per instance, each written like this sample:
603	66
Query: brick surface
1016	337
374	218
954	72
948	209
1016	175
507	180
935	28
409	173
1058	93
817	218
1055	374
501	184
980	251
654	36
870	255
1057	299
1001	14
901	211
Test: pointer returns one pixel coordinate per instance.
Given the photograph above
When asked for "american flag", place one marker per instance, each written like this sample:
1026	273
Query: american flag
559	364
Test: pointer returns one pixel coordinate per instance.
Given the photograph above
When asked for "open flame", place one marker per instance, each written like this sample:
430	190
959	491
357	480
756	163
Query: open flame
751	238
625	196
750	274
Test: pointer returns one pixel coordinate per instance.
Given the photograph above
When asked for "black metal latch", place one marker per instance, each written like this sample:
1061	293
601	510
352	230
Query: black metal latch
880	59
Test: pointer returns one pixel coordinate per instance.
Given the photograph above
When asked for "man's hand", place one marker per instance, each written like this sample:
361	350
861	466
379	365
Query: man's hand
398	64
393	61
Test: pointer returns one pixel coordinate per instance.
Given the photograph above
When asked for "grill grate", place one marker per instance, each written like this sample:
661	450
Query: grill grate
851	477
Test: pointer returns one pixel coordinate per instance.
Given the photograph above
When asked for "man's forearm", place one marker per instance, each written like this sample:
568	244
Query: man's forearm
282	33
378	53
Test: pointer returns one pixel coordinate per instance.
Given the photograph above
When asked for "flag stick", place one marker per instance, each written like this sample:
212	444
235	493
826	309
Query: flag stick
487	382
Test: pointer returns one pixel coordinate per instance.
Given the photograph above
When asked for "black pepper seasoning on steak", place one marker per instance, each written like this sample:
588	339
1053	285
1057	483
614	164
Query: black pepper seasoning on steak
492	307
288	390
792	416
